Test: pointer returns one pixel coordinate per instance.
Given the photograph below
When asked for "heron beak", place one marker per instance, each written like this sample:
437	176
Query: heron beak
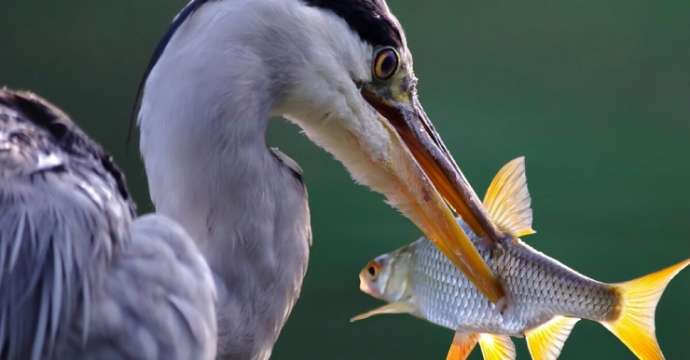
433	180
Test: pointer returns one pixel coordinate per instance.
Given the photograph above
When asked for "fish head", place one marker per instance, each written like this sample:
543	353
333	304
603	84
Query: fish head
386	277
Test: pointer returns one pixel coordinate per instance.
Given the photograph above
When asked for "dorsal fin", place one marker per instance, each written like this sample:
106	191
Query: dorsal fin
496	347
545	342
508	202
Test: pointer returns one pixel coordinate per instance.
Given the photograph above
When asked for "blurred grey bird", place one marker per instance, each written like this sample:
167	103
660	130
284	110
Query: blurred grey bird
341	70
79	277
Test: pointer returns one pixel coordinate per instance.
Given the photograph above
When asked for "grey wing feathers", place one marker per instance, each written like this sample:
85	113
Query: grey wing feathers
63	216
157	302
78	278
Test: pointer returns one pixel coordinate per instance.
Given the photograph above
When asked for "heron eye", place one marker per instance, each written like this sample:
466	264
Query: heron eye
386	63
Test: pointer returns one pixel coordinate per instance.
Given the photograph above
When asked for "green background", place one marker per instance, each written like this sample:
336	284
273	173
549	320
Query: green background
594	93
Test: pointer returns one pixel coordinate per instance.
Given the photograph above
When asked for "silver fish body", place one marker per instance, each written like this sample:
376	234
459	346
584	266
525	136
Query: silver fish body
543	298
537	287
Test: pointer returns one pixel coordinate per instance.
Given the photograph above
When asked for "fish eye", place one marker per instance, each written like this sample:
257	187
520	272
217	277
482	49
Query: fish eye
386	63
373	268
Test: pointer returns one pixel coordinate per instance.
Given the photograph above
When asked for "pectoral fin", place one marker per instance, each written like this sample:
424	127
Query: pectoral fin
508	202
462	346
392	308
545	342
496	347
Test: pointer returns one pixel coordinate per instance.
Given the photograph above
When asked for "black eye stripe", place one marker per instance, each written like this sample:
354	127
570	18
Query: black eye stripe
371	19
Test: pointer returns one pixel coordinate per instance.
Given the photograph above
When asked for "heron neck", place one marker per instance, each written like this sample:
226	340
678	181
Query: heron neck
209	169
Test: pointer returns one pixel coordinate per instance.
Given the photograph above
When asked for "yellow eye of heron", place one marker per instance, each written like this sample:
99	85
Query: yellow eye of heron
386	63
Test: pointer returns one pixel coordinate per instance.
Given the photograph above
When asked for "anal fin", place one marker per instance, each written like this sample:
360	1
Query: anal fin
496	347
545	342
462	346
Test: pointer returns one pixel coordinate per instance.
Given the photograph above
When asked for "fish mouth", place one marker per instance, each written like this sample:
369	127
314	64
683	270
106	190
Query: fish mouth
432	181
366	287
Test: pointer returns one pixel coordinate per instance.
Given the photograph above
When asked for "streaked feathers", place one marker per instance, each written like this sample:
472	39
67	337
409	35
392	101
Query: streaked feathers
50	253
156	302
79	278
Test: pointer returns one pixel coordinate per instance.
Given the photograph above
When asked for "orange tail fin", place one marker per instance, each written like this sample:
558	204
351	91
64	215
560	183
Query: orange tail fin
634	325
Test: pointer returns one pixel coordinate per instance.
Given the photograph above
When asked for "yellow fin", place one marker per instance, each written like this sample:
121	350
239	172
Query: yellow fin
507	200
496	347
462	346
634	325
392	308
545	342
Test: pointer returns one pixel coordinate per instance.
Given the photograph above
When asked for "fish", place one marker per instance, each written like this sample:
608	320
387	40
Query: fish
544	298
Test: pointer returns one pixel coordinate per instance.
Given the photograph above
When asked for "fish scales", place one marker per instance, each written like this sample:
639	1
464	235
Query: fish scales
537	287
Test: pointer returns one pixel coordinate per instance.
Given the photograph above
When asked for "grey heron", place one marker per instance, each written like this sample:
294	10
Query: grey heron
79	277
339	69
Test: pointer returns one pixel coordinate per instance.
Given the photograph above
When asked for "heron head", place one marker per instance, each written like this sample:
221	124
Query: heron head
339	69
355	94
